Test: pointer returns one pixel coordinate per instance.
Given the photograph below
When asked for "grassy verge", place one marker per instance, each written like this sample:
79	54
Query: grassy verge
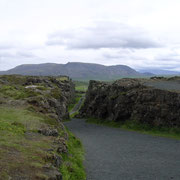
20	144
142	128
72	168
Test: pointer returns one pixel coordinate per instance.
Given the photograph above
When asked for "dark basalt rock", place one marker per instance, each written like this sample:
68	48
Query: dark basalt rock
131	99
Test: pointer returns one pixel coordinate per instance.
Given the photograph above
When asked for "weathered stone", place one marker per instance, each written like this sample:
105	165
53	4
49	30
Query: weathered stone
52	173
62	147
49	132
55	159
132	99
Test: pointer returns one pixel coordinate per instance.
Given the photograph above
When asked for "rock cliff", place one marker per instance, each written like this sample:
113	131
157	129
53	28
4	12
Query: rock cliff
48	95
142	101
33	138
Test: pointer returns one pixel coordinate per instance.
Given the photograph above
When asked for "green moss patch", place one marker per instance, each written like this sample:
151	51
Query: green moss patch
72	168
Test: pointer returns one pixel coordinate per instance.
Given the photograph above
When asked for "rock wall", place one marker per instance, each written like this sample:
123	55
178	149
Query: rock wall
59	95
45	138
49	95
131	99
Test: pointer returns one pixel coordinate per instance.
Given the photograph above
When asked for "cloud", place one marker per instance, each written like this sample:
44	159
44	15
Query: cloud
6	55
25	54
18	54
4	46
103	35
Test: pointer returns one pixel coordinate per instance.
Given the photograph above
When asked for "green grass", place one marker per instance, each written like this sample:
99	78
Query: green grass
14	123
73	115
20	143
81	86
72	168
17	92
62	78
142	128
76	100
15	149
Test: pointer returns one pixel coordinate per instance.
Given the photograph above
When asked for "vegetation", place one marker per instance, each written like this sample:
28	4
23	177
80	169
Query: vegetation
18	148
21	144
142	128
81	85
81	88
72	168
17	92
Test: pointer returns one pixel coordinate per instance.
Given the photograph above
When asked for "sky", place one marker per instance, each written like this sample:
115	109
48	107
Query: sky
143	34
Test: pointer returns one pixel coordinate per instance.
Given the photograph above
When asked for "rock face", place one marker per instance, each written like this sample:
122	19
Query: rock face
49	95
47	98
133	99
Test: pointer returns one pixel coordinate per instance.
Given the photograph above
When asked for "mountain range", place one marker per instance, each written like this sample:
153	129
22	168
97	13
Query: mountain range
160	72
75	70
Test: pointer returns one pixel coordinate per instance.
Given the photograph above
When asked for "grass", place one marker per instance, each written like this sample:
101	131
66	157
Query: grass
81	86
62	78
29	153
17	92
76	100
72	168
20	143
73	115
15	149
142	128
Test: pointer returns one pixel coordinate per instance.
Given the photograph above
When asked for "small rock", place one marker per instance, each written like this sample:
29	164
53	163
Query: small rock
49	132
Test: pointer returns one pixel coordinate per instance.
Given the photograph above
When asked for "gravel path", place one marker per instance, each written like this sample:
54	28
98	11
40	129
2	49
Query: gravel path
115	154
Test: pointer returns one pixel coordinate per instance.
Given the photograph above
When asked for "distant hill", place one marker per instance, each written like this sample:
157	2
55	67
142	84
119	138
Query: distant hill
160	72
76	70
148	74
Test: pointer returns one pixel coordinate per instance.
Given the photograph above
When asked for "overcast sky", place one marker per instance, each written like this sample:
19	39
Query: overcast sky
138	33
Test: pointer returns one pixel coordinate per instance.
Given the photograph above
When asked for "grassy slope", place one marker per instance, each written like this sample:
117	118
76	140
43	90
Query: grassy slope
133	126
23	151
17	147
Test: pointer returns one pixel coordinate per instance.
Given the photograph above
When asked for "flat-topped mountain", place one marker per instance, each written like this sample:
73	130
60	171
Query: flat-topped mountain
75	70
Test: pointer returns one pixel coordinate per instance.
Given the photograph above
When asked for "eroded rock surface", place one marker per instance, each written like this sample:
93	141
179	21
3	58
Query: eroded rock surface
47	98
135	99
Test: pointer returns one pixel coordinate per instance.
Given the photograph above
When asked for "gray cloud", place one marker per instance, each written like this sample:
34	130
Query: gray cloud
19	54
25	54
6	55
103	35
4	46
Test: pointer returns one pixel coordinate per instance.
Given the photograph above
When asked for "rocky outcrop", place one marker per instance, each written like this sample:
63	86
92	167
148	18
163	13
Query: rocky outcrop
48	95
47	98
133	100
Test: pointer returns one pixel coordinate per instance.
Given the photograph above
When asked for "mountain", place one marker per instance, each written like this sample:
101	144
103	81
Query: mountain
2	72
76	70
160	72
148	74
